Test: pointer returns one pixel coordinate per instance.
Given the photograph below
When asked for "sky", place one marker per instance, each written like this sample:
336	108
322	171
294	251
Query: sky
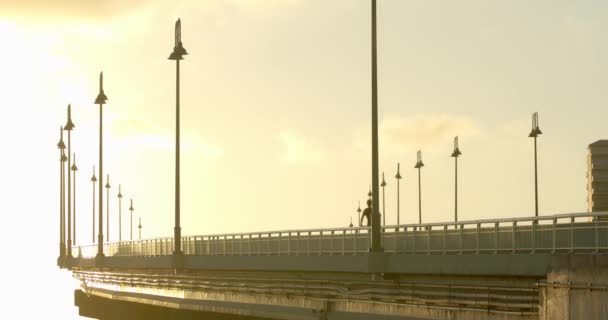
276	109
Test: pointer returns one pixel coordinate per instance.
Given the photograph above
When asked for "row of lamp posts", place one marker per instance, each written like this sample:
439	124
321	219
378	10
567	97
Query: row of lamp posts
67	163
178	52
455	154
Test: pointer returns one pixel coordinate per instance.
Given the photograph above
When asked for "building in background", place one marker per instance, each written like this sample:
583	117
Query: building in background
597	176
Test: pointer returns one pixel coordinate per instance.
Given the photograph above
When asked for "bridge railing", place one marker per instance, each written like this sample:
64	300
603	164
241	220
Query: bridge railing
579	232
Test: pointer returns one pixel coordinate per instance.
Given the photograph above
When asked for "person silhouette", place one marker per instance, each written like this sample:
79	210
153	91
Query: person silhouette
367	213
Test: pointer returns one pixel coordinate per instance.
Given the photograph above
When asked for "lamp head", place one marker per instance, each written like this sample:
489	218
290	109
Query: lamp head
535	132
101	96
69	124
383	184
93	178
419	163
60	144
398	175
178	49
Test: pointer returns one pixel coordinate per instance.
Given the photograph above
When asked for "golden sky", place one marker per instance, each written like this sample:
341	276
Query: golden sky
276	104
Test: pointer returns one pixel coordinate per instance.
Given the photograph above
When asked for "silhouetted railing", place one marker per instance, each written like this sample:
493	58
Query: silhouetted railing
579	232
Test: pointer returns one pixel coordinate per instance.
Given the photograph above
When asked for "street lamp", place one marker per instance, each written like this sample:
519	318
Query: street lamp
178	54
131	209
139	227
69	126
383	203
376	244
93	180
62	159
534	134
419	165
108	208
119	213
100	100
398	177
74	169
455	154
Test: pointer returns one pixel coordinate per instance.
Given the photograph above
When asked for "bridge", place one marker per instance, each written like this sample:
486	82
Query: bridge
548	267
538	267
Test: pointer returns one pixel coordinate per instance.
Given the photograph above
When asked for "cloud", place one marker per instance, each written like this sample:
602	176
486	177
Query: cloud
70	8
425	130
298	149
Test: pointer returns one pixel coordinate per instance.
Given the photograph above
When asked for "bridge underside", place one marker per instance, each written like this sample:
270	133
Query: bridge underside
310	295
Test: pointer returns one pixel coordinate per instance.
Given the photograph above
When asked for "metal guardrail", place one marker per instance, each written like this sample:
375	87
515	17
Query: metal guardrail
572	233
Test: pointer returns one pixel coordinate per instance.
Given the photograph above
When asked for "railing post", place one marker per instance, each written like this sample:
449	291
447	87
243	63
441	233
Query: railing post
332	243
320	242
343	240
249	244
460	238
223	245
414	240
477	238
553	235
597	235
571	234
428	240
513	236
268	244
445	230
355	236
308	240
279	241
298	242
396	241
533	228
496	227
241	246
289	243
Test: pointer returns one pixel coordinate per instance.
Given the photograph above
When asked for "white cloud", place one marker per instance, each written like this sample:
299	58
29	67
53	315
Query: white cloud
299	149
425	130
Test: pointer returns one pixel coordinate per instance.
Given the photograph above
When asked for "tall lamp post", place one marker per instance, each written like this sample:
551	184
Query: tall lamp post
376	245
100	100
178	54
131	209
139	227
108	207
69	126
418	166
74	169
455	154
398	177
62	159
534	134
93	180
383	184
119	213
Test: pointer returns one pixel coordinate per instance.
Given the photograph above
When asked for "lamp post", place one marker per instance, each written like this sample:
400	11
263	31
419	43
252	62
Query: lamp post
74	169
100	100
131	209
419	165
398	177
178	54
69	126
93	180
455	154
62	158
139	227
376	245
119	213
534	134
108	208
383	203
